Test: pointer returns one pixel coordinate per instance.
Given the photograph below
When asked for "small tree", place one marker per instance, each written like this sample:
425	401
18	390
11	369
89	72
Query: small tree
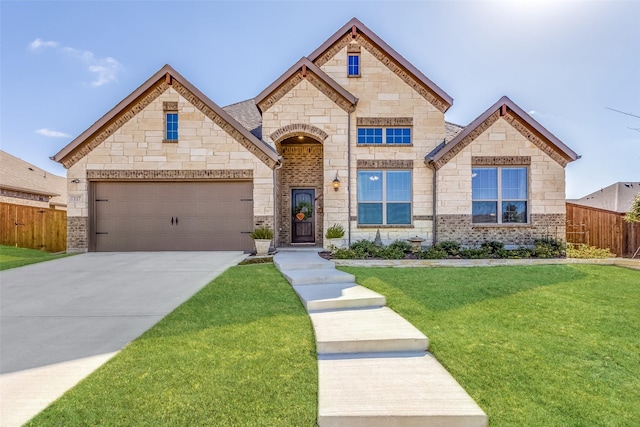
634	213
634	216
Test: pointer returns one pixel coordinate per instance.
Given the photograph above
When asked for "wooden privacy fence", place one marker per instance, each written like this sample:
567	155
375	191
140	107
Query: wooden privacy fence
33	227
602	229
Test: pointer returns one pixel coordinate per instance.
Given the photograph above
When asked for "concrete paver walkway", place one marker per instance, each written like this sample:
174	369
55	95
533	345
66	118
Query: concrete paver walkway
373	365
62	319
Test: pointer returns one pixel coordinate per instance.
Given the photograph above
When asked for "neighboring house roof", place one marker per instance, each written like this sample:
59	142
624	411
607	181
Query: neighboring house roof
451	130
302	69
617	197
519	119
354	29
21	176
141	97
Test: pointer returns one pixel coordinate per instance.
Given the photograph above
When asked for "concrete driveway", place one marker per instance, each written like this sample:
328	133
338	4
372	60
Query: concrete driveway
61	319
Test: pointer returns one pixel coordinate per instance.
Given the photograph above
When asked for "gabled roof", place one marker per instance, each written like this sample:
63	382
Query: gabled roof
302	69
506	109
370	41
18	175
617	197
141	97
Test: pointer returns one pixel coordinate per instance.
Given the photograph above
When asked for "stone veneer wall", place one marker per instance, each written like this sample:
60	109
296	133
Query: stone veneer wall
302	168
459	228
77	233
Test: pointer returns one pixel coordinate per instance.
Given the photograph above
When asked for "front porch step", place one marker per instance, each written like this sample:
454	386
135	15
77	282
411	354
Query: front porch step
365	331
337	296
317	276
286	261
378	390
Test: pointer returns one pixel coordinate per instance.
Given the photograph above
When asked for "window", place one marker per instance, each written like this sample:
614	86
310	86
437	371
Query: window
384	197
353	67
171	131
499	195
391	135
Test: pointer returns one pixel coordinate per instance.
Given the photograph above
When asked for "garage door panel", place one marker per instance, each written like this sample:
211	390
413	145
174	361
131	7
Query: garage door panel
137	216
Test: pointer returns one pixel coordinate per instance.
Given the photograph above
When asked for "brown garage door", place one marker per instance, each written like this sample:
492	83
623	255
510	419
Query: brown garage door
171	216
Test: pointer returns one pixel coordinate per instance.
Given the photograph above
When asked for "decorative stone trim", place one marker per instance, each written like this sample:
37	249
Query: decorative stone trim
23	195
172	175
525	131
302	149
169	106
384	226
384	164
423	217
226	126
401	72
500	160
353	48
328	91
115	124
280	92
333	50
298	129
384	121
467	140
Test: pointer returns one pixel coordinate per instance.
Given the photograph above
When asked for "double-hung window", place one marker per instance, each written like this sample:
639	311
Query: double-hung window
384	197
499	195
391	135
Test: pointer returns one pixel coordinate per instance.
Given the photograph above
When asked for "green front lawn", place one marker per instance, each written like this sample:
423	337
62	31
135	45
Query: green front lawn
534	346
11	257
241	352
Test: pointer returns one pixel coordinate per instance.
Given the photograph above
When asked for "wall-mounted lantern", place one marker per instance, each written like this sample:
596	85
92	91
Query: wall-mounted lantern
336	183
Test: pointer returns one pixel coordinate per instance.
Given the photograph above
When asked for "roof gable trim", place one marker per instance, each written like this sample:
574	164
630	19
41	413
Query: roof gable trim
305	69
519	120
356	30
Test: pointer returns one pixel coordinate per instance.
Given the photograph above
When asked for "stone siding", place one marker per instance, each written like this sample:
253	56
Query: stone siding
459	228
77	233
137	146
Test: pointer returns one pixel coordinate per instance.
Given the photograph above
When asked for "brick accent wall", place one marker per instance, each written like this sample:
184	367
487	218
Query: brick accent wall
302	168
77	233
459	228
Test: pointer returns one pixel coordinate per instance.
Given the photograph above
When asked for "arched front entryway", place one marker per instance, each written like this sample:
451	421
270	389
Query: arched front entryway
300	191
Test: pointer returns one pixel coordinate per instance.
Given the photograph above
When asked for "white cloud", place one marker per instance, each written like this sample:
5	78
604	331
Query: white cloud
39	43
52	133
105	70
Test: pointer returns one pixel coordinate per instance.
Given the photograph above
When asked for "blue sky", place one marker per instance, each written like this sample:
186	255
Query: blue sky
65	64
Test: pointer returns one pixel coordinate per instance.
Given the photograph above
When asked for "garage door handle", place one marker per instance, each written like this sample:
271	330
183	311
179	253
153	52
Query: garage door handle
176	220
171	220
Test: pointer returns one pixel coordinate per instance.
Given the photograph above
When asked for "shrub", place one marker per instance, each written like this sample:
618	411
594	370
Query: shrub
451	248
339	253
402	245
364	249
474	253
586	251
336	231
548	248
391	252
263	232
434	252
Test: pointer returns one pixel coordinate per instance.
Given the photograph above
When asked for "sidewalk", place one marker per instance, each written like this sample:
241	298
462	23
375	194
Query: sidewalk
373	366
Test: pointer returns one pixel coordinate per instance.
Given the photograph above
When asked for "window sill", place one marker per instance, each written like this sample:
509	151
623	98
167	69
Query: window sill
385	226
169	141
353	76
383	145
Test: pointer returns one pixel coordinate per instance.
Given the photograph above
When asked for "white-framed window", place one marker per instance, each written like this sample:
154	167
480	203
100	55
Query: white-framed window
384	197
390	135
499	195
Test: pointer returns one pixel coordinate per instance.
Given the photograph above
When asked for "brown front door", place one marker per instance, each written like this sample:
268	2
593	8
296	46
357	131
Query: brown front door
303	216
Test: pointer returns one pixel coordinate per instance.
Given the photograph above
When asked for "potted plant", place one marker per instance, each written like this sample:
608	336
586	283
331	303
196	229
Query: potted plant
262	237
334	235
